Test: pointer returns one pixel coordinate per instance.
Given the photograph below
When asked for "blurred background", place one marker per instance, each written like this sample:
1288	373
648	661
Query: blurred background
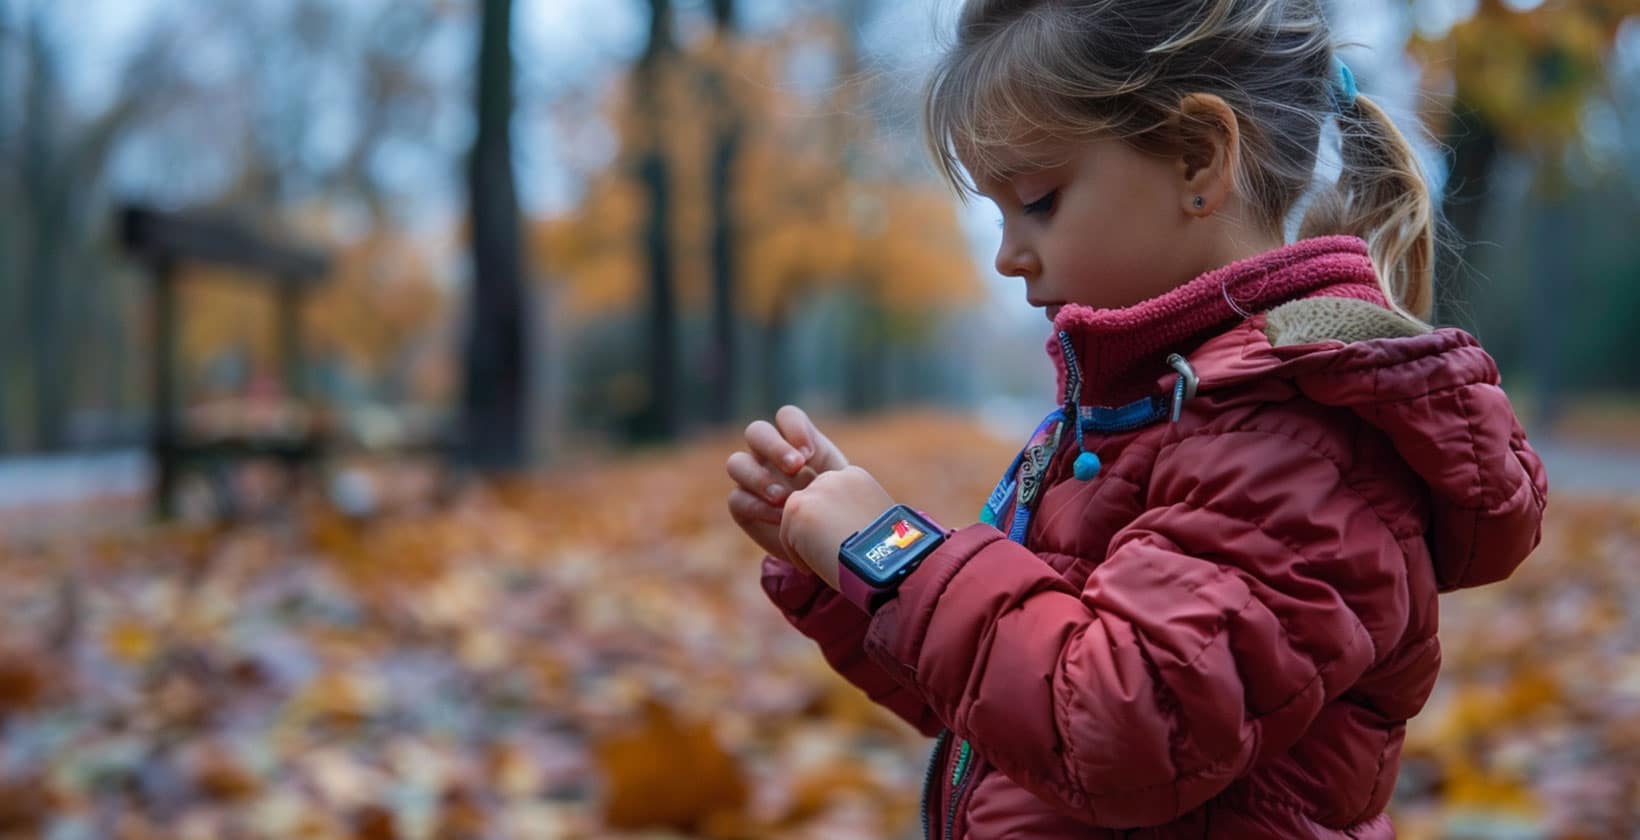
367	368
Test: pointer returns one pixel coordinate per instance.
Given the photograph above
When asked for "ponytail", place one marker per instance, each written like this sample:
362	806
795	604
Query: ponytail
1382	197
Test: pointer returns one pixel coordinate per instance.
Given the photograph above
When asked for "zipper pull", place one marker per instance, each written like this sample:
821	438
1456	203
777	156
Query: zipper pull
959	776
965	751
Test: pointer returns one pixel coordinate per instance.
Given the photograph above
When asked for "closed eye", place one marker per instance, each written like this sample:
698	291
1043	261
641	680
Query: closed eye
1041	205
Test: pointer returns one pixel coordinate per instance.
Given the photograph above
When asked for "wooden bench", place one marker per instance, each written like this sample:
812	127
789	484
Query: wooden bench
164	240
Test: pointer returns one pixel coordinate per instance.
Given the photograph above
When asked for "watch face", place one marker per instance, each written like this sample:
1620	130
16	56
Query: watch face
889	545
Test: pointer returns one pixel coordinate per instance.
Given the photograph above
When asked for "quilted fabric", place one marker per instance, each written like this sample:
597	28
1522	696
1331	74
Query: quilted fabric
1225	631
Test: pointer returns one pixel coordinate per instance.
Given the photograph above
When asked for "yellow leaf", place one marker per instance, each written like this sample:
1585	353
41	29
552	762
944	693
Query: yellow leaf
130	641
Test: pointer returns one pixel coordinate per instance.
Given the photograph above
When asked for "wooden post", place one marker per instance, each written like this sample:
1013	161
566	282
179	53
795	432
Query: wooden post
166	430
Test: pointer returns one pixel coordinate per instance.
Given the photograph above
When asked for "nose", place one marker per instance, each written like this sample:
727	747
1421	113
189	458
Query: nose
1016	259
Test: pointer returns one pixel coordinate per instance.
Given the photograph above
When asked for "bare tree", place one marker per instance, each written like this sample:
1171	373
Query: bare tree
725	149
493	399
660	417
8	186
55	186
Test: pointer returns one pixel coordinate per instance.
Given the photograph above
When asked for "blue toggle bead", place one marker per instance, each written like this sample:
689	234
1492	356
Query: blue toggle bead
1087	466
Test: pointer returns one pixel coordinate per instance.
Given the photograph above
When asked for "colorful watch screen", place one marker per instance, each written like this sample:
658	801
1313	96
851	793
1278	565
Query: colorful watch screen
889	543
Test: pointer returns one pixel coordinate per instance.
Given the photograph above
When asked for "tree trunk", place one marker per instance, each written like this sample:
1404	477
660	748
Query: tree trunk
493	398
723	370
865	352
772	355
9	350
868	353
1551	284
44	200
51	372
659	421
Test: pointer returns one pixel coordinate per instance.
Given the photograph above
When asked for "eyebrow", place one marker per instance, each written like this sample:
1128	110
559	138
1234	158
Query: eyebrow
1005	184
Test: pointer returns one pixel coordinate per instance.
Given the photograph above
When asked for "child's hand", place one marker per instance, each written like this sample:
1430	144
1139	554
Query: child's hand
820	517
779	460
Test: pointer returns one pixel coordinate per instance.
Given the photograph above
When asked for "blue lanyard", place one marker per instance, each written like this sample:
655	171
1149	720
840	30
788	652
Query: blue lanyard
1021	485
1023	481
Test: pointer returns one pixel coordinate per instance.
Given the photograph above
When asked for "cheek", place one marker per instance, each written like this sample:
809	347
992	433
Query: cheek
1116	254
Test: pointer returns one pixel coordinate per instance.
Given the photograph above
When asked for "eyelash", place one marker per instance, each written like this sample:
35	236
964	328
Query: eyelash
1041	205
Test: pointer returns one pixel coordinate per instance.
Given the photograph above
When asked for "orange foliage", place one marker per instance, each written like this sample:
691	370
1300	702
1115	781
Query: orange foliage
380	294
224	310
810	210
590	656
668	773
1530	73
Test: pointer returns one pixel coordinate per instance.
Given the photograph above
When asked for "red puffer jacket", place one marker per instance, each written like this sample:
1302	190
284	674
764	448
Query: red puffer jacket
1224	631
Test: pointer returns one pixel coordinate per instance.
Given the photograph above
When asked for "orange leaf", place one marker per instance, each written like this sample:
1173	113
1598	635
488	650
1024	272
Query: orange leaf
667	773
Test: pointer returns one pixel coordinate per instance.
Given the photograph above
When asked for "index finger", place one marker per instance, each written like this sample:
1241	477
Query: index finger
768	444
798	430
802	433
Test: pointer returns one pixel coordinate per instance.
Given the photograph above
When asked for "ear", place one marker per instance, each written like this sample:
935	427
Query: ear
1209	150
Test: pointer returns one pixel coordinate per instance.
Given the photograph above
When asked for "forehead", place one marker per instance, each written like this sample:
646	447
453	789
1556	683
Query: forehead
993	168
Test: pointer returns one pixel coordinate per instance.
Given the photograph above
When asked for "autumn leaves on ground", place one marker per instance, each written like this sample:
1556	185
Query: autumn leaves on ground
590	656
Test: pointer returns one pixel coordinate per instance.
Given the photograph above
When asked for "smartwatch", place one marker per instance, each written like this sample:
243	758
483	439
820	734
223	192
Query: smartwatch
876	558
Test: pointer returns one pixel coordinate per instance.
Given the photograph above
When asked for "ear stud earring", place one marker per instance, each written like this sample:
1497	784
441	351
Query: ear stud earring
1199	203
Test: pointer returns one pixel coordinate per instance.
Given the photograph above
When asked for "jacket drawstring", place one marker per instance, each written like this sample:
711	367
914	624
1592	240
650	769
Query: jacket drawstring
1184	387
1087	463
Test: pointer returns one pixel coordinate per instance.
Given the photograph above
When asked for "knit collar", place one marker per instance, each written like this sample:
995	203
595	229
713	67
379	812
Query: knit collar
1122	353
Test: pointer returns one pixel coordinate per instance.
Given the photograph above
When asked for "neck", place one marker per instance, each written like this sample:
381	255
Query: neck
1237	244
1122	352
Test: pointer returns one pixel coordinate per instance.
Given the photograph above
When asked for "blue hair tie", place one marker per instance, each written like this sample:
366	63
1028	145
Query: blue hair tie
1343	85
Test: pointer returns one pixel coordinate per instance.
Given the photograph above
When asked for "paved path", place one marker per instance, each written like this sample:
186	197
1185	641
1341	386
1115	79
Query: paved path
49	496
55	488
1594	470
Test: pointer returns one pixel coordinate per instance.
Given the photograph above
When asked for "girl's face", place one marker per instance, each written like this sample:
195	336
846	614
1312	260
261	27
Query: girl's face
1109	227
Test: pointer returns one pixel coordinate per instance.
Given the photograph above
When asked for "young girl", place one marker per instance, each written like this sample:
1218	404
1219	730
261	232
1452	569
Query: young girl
1202	602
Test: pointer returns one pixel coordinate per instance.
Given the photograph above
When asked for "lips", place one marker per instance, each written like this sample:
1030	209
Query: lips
1050	308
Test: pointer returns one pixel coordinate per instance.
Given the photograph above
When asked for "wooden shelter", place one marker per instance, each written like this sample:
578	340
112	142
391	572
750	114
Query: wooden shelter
164	240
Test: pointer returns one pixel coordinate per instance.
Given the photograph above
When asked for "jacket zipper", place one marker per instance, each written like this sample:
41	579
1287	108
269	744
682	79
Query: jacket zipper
934	764
959	773
959	780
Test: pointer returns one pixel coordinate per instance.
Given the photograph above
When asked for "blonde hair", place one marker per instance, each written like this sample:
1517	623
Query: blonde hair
1024	71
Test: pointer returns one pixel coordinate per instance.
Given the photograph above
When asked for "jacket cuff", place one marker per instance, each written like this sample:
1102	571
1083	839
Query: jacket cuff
899	626
792	588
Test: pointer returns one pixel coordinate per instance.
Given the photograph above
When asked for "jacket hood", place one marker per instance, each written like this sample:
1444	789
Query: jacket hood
1434	393
1323	325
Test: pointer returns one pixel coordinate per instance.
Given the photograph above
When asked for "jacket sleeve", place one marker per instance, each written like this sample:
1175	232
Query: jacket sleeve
1251	591
839	627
